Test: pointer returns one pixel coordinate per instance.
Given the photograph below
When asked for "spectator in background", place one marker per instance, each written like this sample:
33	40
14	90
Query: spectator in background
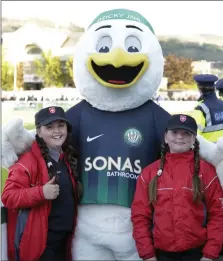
209	112
219	87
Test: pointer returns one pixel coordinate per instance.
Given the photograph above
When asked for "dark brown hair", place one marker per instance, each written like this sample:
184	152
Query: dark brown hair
196	182
70	154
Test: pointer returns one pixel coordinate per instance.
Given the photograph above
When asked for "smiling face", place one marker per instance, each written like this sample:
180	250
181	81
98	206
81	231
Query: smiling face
118	65
179	140
54	134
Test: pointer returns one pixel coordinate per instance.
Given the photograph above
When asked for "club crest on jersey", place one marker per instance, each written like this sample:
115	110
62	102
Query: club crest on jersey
133	137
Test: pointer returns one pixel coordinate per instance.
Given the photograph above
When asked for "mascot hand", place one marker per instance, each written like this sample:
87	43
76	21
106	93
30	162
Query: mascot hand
15	140
213	153
219	160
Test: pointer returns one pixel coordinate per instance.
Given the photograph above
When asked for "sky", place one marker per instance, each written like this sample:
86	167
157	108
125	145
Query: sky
166	17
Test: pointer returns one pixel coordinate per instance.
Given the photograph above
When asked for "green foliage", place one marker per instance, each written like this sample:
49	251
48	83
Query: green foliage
20	82
178	70
69	67
183	86
194	51
49	69
29	126
6	75
4	175
67	72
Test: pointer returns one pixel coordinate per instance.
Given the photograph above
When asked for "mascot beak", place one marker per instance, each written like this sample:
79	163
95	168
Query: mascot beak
118	68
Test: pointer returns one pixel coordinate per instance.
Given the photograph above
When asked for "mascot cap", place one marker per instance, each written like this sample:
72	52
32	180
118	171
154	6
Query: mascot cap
122	14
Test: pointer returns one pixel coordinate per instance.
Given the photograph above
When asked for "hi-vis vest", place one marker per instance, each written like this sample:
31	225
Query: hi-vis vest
210	119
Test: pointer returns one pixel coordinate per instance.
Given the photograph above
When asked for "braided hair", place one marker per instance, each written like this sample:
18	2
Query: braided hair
153	183
196	182
70	155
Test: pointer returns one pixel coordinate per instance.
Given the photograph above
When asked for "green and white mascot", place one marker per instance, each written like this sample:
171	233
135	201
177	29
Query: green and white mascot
118	129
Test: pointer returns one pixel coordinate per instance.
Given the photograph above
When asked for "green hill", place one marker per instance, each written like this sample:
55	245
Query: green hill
197	47
195	51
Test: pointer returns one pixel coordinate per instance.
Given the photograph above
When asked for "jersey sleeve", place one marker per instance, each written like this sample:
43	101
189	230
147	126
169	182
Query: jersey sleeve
74	117
161	118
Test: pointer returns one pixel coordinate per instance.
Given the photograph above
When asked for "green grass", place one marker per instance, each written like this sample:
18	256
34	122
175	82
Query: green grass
4	175
29	126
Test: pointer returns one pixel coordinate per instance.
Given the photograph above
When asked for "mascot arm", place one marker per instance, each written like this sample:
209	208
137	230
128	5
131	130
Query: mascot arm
213	153
18	192
15	140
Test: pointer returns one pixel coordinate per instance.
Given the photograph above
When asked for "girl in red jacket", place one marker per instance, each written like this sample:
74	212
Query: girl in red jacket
42	193
177	211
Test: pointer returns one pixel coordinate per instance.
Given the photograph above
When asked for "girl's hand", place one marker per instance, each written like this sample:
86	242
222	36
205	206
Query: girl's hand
151	259
205	258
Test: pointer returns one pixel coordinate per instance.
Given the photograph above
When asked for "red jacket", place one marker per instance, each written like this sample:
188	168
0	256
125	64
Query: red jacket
174	222
24	189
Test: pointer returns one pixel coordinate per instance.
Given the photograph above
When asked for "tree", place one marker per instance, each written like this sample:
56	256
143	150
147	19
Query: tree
69	67
20	75
178	70
6	75
49	69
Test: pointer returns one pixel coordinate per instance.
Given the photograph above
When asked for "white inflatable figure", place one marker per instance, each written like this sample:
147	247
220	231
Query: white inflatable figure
118	129
13	133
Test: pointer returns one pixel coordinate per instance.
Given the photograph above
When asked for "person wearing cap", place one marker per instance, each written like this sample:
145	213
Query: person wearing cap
209	112
219	87
173	198
43	185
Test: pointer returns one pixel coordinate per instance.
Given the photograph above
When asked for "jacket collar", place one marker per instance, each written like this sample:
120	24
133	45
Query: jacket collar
184	156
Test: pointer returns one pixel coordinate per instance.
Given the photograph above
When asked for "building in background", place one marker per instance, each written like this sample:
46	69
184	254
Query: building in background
27	44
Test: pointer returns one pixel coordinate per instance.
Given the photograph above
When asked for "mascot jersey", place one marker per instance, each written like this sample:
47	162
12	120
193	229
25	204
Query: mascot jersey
114	148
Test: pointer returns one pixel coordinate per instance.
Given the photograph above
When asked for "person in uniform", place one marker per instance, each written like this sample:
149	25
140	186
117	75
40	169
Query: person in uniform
209	112
219	87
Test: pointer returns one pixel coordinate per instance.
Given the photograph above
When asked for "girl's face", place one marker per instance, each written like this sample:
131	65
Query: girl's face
54	134
179	140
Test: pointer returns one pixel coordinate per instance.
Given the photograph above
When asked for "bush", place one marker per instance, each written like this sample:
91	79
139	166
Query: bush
183	86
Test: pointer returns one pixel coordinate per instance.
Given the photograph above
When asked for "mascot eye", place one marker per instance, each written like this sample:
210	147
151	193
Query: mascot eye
104	44
132	44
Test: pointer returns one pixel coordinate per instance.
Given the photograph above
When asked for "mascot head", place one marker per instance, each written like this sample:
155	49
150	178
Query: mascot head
118	62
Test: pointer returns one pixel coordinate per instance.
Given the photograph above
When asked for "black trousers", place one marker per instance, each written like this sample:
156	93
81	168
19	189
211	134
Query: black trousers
56	247
194	254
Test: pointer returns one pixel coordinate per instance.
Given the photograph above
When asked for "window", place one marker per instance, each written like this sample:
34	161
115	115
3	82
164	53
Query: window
33	49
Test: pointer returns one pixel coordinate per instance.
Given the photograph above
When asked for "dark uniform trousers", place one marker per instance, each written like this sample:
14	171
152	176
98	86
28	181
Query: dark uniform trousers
188	255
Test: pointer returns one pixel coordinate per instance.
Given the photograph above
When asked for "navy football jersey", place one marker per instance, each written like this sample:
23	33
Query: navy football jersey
114	147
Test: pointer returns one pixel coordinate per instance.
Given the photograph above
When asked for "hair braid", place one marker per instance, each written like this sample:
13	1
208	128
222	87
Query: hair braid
71	155
196	182
45	153
152	189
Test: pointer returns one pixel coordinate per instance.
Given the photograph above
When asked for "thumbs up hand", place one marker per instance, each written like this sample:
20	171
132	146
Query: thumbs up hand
51	190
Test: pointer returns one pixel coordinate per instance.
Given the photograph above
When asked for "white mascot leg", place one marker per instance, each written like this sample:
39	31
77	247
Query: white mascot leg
104	232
